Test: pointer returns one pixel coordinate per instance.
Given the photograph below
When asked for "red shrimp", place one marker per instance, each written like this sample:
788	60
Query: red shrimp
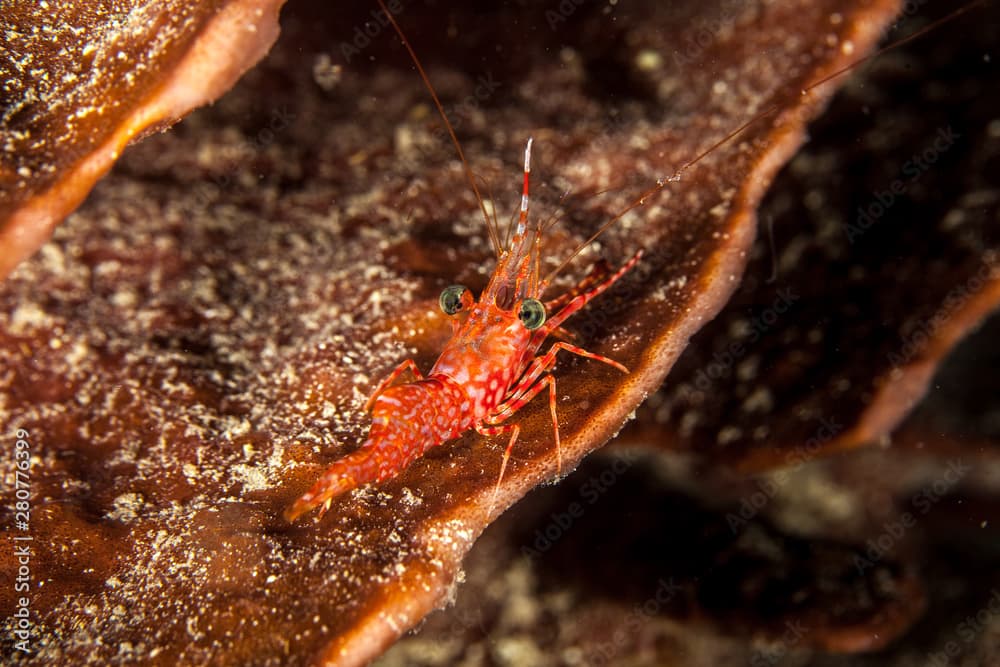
487	371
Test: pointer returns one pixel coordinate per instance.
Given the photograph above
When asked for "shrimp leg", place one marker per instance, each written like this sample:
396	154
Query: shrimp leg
529	387
389	379
510	406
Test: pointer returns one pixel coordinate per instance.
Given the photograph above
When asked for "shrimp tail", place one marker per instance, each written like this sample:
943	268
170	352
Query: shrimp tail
357	468
378	459
403	428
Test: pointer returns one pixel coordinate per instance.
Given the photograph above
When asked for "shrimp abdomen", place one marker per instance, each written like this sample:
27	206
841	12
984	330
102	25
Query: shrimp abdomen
407	420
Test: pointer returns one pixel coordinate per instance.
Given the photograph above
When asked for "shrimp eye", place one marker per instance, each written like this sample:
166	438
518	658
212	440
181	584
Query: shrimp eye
531	314
454	299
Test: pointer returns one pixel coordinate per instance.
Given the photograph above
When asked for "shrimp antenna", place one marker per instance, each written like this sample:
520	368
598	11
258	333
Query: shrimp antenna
494	236
676	176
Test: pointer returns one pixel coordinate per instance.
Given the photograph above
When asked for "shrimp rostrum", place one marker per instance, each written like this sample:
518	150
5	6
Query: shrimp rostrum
487	371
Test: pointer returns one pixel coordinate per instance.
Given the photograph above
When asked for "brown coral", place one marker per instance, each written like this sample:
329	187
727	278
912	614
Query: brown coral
83	80
209	323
